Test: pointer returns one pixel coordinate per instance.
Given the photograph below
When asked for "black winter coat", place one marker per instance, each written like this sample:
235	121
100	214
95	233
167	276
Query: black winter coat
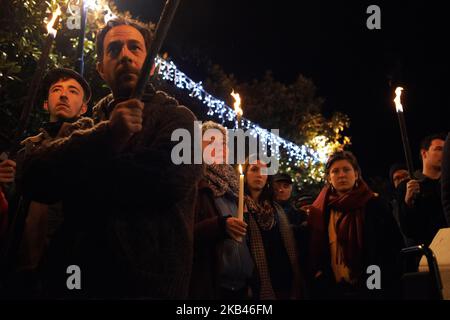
128	217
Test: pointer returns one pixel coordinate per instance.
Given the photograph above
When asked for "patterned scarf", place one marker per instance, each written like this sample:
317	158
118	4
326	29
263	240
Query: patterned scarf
259	254
264	213
222	179
349	227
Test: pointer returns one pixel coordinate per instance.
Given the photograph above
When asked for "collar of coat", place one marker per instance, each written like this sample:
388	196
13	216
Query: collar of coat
53	130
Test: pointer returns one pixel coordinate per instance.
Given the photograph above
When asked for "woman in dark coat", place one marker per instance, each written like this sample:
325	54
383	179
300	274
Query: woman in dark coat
352	236
271	240
223	266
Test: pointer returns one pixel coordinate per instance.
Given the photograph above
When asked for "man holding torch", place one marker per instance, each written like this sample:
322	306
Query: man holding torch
130	232
422	213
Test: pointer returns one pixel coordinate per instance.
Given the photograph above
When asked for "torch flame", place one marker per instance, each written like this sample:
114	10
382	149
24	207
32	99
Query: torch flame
92	4
237	103
240	169
109	15
99	7
50	24
397	100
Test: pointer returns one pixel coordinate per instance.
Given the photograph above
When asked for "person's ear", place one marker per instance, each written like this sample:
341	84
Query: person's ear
45	105
423	152
99	67
83	108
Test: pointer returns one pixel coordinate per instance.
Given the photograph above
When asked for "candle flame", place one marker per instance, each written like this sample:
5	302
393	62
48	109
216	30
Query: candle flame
50	24
240	169
397	100
237	103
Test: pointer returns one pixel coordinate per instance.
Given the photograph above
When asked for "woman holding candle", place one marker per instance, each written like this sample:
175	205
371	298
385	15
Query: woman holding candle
351	228
271	239
223	265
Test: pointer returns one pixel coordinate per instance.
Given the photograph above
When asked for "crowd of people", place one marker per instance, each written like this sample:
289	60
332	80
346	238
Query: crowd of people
103	194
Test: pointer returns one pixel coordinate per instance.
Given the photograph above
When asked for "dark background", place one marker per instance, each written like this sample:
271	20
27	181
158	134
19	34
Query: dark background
355	69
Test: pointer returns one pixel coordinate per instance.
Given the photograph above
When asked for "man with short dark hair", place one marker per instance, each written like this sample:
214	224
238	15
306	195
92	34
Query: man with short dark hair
397	174
282	187
422	213
66	95
131	235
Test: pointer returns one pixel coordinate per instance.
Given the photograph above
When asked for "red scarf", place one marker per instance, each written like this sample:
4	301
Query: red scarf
349	229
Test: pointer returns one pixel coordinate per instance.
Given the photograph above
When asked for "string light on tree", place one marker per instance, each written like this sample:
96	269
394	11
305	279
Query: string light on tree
169	72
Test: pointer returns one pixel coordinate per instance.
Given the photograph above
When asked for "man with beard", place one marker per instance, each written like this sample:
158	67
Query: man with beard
129	231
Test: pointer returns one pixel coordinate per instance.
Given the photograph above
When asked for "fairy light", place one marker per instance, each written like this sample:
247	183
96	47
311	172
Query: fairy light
218	108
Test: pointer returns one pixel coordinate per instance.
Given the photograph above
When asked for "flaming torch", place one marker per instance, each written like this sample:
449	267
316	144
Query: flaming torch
36	80
18	218
97	7
80	48
237	107
401	120
160	34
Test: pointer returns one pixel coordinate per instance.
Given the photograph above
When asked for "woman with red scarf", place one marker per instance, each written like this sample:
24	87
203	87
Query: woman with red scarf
352	228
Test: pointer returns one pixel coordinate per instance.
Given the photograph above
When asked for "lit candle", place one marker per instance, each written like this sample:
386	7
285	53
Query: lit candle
241	194
404	134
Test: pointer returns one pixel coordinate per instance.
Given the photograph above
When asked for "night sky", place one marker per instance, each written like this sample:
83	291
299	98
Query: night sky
355	69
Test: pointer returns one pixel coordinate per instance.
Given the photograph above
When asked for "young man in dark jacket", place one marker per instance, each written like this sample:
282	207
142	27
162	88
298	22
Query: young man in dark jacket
66	97
421	209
